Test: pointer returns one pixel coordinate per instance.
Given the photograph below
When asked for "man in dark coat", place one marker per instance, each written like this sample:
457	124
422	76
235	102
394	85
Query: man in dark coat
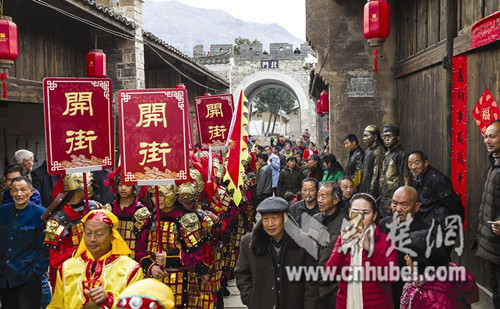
488	238
290	178
355	162
331	216
44	183
395	172
435	191
308	204
405	206
372	161
266	252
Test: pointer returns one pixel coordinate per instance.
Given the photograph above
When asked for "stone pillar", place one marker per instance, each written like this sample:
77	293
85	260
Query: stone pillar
127	56
358	96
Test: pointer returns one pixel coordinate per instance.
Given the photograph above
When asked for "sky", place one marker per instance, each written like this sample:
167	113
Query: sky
292	16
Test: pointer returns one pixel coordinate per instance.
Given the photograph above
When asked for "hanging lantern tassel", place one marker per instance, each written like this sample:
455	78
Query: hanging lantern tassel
375	63
3	77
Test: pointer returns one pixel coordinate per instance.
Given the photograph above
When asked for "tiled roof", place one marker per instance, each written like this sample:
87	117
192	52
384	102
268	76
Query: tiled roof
106	10
174	50
218	59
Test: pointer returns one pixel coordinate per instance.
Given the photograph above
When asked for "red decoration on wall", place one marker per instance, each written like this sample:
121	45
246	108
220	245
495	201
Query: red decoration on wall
8	48
319	110
485	31
459	129
96	63
376	25
485	111
325	101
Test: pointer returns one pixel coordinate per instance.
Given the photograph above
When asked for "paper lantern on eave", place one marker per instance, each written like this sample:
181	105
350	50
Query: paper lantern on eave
8	40
8	48
96	63
325	101
319	110
376	21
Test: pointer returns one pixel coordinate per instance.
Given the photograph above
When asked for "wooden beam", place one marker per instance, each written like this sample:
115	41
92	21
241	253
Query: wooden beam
432	55
24	91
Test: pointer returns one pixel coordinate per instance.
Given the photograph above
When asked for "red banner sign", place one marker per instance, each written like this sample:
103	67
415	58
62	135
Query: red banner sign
78	124
153	135
459	128
213	117
485	31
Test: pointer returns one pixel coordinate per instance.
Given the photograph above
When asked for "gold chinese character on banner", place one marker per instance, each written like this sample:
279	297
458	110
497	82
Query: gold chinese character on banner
153	152
80	140
214	110
217	131
78	102
152	113
485	113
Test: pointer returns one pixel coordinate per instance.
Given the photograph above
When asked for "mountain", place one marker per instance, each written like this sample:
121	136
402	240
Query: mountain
183	27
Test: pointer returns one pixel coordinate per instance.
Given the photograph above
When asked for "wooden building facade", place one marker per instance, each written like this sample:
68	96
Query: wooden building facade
413	87
54	38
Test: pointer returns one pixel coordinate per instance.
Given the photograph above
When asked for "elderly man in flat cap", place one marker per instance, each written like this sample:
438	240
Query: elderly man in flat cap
265	254
99	270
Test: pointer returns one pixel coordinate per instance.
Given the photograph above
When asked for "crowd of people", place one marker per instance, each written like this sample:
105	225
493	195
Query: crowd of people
90	240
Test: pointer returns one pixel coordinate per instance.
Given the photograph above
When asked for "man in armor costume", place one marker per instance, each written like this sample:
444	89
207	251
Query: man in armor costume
176	259
64	228
131	213
372	161
395	172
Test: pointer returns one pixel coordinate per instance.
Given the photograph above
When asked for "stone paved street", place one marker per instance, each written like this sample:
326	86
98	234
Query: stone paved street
233	301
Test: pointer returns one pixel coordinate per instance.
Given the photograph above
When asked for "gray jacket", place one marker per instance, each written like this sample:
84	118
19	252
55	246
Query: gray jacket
264	180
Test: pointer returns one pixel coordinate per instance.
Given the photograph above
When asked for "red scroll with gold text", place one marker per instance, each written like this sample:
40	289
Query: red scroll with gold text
213	117
153	135
459	129
78	124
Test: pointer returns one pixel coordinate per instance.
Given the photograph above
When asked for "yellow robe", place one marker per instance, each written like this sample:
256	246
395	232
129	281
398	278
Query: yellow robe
113	272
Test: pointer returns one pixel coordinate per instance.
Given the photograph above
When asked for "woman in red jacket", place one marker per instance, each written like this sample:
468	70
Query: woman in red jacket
361	260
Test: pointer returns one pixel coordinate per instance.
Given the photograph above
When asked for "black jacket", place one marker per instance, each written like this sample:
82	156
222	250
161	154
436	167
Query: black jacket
436	196
290	180
488	244
354	165
300	207
333	223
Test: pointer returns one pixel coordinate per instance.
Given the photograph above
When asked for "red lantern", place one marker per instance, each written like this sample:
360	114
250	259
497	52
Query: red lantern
8	48
376	24
325	101
319	111
96	63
